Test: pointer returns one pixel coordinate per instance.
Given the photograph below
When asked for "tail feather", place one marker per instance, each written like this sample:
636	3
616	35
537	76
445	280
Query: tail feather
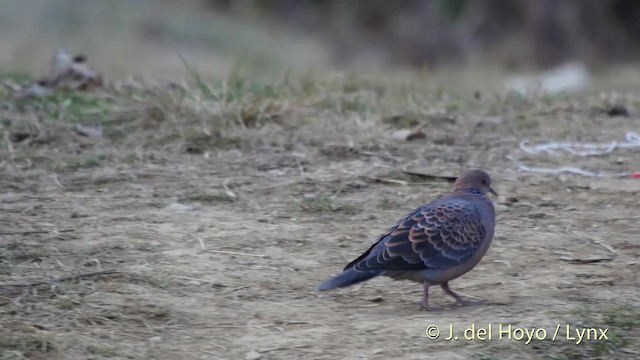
347	278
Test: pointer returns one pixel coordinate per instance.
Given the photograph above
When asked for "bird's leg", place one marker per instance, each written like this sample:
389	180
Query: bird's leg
425	298
459	299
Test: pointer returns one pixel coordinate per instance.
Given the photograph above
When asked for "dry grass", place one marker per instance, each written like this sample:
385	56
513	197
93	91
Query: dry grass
223	202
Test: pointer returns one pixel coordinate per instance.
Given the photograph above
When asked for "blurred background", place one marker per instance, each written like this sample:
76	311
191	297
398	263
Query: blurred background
149	37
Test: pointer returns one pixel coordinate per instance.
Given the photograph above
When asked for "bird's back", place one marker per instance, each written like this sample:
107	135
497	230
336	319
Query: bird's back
441	234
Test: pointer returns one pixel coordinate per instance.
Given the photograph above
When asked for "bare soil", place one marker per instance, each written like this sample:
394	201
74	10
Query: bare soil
217	248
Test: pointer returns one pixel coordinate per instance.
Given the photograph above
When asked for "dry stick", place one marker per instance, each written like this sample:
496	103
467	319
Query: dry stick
16	301
285	348
30	232
389	181
597	241
201	242
63	278
217	345
585	260
616	219
234	253
10	150
386	157
235	289
429	176
460	293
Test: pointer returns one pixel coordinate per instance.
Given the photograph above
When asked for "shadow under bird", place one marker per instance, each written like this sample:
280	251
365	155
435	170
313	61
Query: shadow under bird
437	242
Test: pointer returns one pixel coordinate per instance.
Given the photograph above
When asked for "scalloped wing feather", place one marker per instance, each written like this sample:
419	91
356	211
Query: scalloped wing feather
436	236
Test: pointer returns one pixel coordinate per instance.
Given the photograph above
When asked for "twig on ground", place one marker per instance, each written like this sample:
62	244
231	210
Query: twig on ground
235	253
590	260
284	348
201	242
386	157
61	279
57	182
597	241
31	232
389	181
429	176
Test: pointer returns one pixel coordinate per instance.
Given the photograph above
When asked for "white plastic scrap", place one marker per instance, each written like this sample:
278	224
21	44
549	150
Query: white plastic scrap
587	149
632	140
569	169
567	78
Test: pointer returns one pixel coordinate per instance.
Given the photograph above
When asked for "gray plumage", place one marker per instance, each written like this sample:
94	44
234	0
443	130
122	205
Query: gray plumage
435	243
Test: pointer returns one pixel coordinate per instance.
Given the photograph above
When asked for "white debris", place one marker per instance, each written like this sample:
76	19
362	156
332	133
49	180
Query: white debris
567	78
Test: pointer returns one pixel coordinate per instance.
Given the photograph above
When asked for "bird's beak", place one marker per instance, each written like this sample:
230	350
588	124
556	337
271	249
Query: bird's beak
493	191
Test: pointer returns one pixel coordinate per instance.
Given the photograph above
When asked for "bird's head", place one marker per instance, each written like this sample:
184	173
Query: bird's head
474	180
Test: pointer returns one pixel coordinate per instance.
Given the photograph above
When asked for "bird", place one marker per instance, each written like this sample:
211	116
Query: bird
437	242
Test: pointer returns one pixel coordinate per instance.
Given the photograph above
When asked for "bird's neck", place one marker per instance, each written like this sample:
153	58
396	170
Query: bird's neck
475	192
484	199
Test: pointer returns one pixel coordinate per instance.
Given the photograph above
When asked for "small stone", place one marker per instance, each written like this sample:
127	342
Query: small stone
142	268
253	355
179	207
408	135
618	110
500	207
358	184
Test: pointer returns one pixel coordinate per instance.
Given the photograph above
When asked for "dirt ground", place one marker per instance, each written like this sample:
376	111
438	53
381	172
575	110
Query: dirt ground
216	246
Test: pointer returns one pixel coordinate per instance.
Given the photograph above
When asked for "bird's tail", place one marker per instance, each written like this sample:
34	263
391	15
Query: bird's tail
347	278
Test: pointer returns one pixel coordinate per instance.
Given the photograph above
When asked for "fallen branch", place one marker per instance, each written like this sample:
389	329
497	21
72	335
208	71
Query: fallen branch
429	176
590	260
61	279
389	181
386	157
31	232
279	348
235	253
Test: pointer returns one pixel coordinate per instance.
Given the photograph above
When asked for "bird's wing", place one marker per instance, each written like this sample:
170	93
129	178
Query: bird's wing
436	236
